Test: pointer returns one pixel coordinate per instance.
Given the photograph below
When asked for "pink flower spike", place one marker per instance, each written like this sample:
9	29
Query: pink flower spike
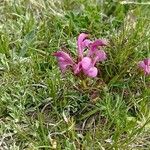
145	66
64	60
80	44
92	72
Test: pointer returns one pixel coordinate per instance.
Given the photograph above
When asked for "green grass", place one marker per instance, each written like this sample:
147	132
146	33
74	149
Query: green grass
42	109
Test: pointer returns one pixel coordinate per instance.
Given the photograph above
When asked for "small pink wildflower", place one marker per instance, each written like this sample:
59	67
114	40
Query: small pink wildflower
64	60
145	66
86	62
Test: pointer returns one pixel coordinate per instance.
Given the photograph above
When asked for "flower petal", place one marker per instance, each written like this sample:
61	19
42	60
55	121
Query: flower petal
147	70
64	60
94	46
100	55
86	43
86	63
77	68
81	38
63	66
92	72
145	66
62	56
141	64
147	61
98	42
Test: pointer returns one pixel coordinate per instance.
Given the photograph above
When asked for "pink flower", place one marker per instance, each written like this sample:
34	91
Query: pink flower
145	66
87	67
97	43
64	60
85	64
82	42
97	52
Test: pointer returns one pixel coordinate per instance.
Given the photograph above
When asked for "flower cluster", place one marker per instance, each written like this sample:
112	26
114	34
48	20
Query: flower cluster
89	54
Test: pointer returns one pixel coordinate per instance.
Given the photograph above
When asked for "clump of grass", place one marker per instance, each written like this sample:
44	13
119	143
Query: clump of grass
40	108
